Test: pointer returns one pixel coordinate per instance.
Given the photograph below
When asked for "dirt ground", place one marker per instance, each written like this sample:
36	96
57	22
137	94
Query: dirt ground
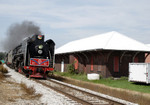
12	93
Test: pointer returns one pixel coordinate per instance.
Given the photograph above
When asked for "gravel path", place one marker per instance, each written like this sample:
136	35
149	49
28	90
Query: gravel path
49	96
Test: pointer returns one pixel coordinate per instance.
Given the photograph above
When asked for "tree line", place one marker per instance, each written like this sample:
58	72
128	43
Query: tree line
2	55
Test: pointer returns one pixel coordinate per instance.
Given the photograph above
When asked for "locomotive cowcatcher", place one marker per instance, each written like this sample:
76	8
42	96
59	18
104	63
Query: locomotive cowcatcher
34	57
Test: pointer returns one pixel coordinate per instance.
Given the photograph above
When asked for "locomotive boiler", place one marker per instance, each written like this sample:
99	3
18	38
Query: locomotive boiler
34	57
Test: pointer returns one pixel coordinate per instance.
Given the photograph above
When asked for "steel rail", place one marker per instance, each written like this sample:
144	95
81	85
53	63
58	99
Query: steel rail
66	94
111	101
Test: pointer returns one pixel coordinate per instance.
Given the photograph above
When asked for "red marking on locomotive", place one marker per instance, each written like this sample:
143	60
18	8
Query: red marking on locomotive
38	75
34	68
39	62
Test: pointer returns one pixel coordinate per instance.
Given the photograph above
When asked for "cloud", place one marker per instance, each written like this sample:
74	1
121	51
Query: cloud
80	18
58	16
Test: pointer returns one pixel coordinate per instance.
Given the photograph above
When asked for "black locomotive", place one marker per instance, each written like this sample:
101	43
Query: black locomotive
33	56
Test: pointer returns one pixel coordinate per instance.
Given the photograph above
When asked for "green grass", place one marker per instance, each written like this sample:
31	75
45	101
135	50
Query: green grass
125	84
118	83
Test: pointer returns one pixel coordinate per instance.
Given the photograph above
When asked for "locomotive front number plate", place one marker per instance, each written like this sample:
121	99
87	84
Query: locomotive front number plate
39	62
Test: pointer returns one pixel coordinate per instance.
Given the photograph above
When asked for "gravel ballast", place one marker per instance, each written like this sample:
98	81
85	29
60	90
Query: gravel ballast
49	96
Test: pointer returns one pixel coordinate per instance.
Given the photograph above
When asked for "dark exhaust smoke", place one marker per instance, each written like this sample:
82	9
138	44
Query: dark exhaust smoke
17	32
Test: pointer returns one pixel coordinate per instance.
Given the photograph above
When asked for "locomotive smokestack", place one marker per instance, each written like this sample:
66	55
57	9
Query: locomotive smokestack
17	32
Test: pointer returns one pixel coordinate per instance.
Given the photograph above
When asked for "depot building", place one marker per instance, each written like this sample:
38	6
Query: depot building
107	54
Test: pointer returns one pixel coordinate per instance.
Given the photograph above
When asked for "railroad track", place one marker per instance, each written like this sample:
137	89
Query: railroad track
81	95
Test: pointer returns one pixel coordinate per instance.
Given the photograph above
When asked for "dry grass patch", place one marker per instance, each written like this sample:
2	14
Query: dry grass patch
30	92
1	76
3	69
12	92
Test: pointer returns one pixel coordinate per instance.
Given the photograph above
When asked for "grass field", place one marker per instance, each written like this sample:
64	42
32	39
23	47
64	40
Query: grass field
117	83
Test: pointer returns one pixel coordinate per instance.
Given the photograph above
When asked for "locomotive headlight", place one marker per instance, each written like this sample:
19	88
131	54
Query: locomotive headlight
40	51
40	46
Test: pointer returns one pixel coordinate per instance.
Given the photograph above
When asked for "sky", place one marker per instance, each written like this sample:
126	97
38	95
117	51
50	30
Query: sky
68	20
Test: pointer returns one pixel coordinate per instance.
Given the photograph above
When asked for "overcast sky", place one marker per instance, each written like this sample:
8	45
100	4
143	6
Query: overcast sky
68	20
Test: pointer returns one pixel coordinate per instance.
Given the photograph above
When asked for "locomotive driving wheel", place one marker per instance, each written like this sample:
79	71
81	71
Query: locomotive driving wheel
16	69
20	67
19	70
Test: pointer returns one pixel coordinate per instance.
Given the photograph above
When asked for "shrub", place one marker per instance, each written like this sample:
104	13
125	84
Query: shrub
71	69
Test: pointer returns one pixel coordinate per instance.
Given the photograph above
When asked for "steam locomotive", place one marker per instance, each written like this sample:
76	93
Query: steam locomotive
33	57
